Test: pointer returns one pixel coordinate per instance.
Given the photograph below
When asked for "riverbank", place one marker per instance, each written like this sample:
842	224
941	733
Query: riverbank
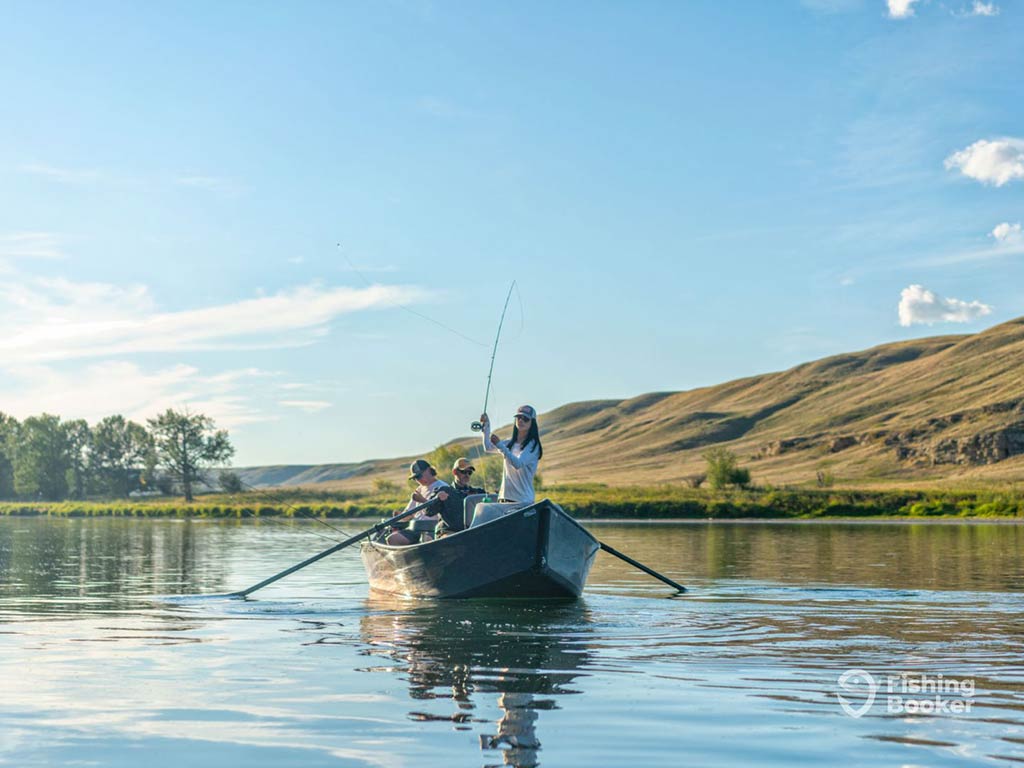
583	501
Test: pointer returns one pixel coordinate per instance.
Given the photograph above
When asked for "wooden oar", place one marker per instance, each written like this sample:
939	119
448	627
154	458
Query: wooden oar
642	567
346	543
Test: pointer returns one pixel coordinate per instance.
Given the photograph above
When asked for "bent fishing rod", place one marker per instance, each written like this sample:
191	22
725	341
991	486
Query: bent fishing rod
476	426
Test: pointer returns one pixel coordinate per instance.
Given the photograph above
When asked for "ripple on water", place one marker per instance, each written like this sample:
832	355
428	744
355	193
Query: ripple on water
742	670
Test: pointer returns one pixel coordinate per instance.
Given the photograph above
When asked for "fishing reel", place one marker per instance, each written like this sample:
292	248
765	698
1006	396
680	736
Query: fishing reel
477	426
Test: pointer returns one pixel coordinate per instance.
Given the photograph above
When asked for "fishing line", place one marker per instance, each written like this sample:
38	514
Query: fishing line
413	312
476	426
287	504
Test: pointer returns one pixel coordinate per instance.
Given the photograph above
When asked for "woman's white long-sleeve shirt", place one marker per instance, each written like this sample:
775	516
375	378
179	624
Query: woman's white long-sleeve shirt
520	467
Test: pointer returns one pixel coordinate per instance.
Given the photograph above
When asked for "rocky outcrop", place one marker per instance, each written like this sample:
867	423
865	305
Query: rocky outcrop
926	445
841	443
984	448
832	443
779	447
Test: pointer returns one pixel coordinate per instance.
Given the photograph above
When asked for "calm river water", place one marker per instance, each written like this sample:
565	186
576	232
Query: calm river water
116	651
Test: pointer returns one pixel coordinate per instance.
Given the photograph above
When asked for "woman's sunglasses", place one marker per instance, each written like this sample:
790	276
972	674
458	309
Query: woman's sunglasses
520	417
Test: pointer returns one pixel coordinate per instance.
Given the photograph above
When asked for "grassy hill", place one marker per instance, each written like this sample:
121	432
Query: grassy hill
947	410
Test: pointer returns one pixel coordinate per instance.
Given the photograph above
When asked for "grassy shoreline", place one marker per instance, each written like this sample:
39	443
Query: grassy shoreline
587	502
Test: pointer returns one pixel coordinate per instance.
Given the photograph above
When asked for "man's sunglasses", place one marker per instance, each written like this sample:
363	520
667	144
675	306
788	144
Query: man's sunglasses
469	471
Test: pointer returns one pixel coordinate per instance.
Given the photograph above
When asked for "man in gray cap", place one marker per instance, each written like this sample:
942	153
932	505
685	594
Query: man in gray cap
428	488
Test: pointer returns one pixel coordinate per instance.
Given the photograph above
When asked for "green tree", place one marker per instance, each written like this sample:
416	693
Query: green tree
79	442
42	460
230	482
386	487
8	442
444	457
119	453
186	443
723	469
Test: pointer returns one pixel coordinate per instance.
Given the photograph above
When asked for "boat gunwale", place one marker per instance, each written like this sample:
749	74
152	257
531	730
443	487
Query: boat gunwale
419	546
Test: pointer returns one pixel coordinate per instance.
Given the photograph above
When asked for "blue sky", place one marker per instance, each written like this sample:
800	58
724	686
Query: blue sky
686	193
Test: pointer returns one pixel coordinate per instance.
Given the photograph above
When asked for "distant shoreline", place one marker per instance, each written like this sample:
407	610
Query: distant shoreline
370	520
951	520
585	502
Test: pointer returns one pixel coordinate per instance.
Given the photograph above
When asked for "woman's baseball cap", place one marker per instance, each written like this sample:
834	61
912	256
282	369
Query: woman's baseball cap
527	411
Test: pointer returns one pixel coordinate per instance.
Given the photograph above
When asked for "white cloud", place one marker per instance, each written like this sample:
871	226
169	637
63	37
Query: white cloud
28	245
991	162
309	406
107	177
56	319
368	268
64	175
901	9
1007	234
920	306
101	389
984	9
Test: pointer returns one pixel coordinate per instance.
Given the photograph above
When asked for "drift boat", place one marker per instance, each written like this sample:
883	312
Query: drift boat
535	552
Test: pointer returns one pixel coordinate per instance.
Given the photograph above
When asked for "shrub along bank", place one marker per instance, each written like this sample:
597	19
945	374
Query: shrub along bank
583	501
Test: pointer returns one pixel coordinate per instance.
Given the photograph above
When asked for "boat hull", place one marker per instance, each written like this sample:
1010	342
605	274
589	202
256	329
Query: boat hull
535	552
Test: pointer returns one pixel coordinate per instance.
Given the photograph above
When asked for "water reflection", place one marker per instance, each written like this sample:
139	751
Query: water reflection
742	670
465	653
928	555
56	565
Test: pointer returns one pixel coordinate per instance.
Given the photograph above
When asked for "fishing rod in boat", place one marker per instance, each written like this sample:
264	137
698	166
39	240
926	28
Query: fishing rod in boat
476	426
330	551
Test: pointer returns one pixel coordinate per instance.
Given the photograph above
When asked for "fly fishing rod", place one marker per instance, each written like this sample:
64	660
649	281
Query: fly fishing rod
476	426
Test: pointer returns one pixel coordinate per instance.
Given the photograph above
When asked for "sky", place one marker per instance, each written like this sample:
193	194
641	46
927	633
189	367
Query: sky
302	219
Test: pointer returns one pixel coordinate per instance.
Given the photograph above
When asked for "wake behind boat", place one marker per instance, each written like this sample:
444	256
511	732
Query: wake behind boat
538	551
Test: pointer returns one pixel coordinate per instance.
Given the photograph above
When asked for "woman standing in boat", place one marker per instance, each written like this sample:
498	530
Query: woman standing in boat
522	454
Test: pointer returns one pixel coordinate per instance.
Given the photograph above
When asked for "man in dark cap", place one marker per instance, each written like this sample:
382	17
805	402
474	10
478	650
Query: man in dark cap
462	472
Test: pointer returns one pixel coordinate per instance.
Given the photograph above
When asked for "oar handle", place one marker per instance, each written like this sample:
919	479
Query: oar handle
347	542
642	567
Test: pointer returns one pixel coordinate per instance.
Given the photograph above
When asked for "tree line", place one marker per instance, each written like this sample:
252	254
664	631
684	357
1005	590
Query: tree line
44	457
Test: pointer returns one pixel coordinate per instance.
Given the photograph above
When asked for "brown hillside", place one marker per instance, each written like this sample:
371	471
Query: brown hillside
935	410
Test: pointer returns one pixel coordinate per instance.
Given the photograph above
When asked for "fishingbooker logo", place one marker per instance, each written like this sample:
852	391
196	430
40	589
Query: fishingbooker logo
860	688
905	693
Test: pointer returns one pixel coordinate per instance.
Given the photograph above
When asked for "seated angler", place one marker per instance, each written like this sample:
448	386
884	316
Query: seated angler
452	516
429	488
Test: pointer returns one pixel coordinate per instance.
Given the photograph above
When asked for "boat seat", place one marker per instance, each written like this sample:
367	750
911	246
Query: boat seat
469	507
422	525
486	512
